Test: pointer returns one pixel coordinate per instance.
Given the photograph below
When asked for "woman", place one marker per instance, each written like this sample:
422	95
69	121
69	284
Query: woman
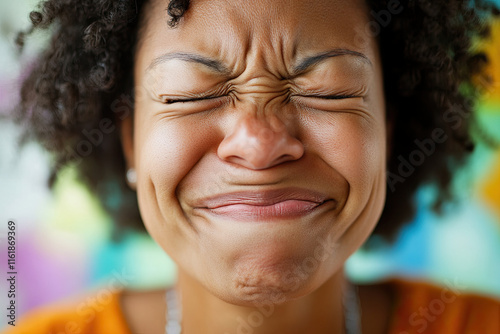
262	145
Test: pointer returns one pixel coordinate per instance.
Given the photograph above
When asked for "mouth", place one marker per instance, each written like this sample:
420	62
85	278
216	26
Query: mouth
265	205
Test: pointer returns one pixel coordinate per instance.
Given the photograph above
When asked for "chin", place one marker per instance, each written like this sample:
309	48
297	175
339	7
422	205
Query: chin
252	286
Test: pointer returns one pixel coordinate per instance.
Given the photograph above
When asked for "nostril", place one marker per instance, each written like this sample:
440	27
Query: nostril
285	157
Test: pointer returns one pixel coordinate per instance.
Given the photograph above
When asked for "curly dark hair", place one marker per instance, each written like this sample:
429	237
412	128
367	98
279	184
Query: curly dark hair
83	83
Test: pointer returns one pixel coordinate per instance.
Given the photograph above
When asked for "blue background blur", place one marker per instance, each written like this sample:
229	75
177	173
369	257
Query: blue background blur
63	246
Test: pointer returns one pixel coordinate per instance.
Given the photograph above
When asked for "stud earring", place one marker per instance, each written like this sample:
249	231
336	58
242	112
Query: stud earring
131	176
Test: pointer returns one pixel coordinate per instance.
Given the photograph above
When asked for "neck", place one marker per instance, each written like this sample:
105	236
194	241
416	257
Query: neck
319	312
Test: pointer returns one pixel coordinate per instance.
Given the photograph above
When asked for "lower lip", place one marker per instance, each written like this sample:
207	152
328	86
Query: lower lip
281	210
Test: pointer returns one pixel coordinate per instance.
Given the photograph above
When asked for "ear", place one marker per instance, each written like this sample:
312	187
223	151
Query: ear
127	140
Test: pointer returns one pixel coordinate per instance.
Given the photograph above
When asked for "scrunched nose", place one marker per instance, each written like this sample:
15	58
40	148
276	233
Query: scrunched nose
258	144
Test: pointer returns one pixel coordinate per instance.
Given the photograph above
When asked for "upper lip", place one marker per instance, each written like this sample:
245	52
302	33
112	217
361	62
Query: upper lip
262	197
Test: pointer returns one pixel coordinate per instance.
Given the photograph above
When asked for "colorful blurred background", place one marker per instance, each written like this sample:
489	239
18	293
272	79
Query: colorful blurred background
63	245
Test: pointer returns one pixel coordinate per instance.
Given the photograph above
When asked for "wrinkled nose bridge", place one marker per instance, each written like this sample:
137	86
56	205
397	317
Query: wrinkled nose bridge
260	130
264	128
259	141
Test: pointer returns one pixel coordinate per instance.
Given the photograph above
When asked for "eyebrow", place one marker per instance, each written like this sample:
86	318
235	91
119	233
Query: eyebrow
306	63
213	64
219	67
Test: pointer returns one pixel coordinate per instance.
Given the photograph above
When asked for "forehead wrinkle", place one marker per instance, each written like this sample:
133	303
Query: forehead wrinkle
270	51
253	31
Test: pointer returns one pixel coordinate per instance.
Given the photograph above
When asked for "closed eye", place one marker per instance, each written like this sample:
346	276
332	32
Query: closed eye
332	97
170	100
327	102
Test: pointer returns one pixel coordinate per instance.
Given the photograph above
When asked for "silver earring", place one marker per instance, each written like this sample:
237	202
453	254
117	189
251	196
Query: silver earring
131	176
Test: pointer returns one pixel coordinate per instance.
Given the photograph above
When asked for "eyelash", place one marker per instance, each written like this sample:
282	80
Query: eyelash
332	97
172	101
326	97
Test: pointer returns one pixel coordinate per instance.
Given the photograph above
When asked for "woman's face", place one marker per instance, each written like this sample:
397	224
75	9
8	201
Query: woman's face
259	141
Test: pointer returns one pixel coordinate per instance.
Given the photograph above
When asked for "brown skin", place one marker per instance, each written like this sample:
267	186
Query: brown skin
265	130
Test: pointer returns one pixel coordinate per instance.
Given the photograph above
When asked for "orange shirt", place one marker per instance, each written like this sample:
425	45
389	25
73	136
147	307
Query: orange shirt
425	308
419	308
94	315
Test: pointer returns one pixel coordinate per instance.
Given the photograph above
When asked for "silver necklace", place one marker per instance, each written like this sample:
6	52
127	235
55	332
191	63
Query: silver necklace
352	311
174	315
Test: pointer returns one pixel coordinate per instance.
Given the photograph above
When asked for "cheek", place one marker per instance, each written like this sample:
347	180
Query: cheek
168	150
351	144
364	148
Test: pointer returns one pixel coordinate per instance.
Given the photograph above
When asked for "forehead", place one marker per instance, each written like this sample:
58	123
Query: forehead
276	31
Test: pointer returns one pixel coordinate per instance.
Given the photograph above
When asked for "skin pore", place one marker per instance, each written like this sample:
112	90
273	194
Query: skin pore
245	99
